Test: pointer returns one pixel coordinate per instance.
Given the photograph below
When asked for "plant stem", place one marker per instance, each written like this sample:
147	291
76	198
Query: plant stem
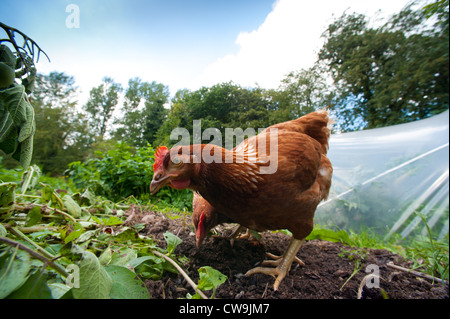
31	229
23	208
36	255
188	279
17	232
358	266
416	273
30	196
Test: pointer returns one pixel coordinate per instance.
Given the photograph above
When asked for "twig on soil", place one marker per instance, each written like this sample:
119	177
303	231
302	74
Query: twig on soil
420	274
363	283
265	290
185	275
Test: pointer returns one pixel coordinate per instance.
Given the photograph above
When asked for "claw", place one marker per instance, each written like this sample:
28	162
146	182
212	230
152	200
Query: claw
277	260
282	263
235	234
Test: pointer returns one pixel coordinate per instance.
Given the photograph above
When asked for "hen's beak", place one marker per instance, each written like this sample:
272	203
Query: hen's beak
158	182
198	241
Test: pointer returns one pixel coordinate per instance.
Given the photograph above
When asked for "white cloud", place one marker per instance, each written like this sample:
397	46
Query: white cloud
288	40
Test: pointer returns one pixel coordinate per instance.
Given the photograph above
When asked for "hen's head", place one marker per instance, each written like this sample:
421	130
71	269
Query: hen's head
174	167
204	218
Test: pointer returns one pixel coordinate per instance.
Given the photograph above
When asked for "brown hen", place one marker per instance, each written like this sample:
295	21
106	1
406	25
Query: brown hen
271	181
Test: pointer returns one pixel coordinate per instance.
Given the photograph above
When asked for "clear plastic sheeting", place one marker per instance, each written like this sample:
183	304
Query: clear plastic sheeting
390	179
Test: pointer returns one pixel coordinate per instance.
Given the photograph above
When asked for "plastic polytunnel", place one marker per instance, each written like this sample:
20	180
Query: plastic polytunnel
388	179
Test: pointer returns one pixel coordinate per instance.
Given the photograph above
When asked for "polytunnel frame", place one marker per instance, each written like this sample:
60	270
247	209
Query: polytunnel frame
435	197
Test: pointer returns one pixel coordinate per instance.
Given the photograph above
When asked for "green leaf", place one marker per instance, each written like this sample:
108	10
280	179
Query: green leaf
30	178
105	257
172	241
3	231
14	268
72	207
7	56
112	221
29	127
122	257
125	284
126	234
17	124
7	199
73	235
90	196
330	235
34	288
151	267
14	101
138	261
86	236
95	283
58	290
210	279
34	216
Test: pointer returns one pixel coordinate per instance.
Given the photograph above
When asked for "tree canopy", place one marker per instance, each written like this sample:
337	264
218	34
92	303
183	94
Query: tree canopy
367	76
392	74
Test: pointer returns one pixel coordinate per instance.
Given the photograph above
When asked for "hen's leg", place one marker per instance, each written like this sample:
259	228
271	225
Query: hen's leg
283	264
237	231
235	234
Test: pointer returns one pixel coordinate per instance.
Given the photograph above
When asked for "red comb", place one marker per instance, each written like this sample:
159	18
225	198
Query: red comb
160	152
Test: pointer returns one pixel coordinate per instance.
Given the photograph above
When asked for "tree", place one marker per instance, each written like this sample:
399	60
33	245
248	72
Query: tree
393	74
61	133
143	112
300	93
101	104
224	105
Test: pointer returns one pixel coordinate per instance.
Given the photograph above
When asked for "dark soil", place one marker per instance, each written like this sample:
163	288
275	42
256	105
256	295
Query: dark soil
328	266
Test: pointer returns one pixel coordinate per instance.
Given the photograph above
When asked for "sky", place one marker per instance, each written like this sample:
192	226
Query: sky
181	43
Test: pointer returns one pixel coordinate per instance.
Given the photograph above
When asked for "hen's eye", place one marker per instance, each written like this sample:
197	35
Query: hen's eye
177	161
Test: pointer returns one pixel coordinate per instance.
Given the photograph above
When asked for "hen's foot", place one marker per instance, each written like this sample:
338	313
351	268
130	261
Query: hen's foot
277	260
235	234
283	264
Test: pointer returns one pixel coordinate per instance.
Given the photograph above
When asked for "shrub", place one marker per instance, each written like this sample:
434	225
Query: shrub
124	171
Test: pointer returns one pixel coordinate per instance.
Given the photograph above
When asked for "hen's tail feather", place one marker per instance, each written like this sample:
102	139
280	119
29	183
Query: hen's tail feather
317	125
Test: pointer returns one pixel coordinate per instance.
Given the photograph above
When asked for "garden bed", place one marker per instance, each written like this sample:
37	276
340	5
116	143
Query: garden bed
326	275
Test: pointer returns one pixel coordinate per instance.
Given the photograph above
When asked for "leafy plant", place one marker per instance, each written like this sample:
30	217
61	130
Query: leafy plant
209	279
329	235
122	172
17	123
59	245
